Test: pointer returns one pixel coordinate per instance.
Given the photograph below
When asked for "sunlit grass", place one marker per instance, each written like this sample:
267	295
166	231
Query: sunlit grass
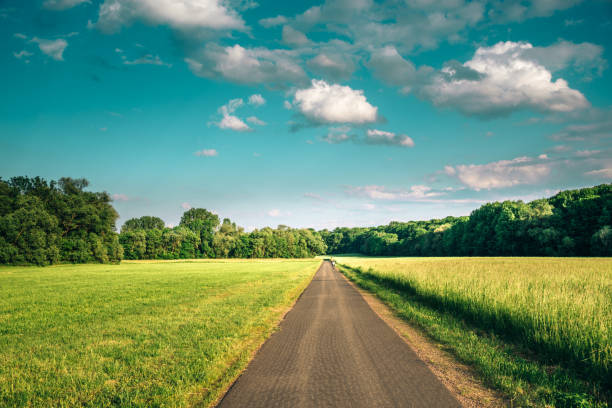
137	334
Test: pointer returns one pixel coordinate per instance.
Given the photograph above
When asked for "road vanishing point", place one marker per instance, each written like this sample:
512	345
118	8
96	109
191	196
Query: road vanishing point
333	350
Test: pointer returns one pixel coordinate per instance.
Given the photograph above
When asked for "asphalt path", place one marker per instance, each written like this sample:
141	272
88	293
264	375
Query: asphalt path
332	350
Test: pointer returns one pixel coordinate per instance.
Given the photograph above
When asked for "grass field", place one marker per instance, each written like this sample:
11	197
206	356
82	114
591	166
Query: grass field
539	329
140	333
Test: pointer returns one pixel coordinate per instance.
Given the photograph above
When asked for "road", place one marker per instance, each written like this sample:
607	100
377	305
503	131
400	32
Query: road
332	350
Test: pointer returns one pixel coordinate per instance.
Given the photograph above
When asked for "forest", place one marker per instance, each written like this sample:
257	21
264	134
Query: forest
44	223
571	223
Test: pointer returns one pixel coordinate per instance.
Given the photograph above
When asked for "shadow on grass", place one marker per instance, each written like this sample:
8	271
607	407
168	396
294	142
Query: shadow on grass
495	344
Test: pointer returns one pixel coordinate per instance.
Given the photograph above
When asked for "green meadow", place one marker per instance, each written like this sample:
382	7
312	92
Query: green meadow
139	334
539	329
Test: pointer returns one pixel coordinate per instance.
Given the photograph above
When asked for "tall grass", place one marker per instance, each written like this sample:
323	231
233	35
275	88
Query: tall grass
560	309
140	334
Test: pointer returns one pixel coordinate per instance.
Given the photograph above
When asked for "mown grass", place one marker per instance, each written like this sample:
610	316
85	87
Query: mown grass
539	329
139	334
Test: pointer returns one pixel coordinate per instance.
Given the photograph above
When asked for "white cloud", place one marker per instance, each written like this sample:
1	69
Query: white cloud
233	123
256	121
499	80
294	38
334	66
229	121
273	21
375	136
274	212
257	100
275	68
178	14
53	48
20	36
148	60
62	4
324	103
500	174
287	105
603	173
414	193
119	50
186	206
543	156
207	153
582	57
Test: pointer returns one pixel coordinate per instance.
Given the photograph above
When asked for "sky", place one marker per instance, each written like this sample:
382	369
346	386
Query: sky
308	114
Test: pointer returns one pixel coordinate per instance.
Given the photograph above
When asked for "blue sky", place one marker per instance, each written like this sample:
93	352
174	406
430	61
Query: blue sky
310	114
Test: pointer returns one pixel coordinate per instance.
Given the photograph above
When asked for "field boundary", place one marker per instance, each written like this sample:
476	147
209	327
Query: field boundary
500	365
460	379
223	391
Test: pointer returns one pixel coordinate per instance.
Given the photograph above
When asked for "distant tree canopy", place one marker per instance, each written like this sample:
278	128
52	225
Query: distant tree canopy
571	223
143	223
48	222
200	235
44	222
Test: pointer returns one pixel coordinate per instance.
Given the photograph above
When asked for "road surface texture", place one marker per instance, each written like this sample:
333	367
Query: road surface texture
332	350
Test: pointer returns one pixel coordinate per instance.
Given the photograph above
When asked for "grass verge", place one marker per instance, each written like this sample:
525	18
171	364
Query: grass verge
139	334
502	364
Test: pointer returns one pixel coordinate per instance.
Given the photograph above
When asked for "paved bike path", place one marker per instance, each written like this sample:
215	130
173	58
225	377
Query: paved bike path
332	350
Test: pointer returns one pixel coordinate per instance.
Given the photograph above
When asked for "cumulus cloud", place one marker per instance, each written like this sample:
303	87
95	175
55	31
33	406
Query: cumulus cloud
186	206
257	100
334	66
53	48
230	121
62	4
504	79
274	212
206	153
584	57
323	103
414	193
276	68
500	174
294	38
389	66
273	21
178	14
381	137
233	123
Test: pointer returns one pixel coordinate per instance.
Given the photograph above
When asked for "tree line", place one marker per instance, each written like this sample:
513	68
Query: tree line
571	223
200	234
43	223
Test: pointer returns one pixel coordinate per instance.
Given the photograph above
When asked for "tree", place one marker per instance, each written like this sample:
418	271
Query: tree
203	223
